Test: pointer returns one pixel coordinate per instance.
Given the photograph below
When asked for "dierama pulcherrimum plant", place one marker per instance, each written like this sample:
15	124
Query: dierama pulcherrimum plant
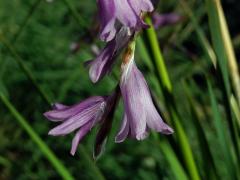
121	21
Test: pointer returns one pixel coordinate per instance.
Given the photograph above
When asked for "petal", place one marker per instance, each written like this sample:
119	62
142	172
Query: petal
125	13
138	92
65	113
108	32
146	5
76	121
107	18
133	100
103	63
124	130
78	137
154	121
141	6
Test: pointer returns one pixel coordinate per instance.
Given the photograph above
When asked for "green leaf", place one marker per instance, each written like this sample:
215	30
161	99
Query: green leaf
222	46
235	109
223	139
200	33
210	167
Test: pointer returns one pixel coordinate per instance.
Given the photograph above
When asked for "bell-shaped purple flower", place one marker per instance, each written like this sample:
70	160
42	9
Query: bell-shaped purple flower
127	12
105	60
81	117
140	113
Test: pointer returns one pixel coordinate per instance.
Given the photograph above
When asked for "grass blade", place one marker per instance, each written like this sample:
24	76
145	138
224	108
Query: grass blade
57	164
210	168
215	16
232	62
235	109
201	36
221	134
171	157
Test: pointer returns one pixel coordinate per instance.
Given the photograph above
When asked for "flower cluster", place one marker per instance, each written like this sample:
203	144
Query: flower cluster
120	20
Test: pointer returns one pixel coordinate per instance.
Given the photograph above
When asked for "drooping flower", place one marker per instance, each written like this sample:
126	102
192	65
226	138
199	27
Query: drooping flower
127	12
81	117
160	20
140	113
105	60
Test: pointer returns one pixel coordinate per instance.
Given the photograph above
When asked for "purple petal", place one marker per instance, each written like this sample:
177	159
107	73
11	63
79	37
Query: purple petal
131	88
141	6
76	121
124	130
125	14
65	113
154	121
107	13
78	137
104	62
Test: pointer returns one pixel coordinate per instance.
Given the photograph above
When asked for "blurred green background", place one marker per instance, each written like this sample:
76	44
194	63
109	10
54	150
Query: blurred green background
43	44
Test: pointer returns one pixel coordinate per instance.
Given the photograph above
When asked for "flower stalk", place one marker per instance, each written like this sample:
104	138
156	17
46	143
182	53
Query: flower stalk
167	90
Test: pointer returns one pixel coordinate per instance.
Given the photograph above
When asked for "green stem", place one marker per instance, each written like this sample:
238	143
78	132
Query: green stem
160	64
171	158
57	164
167	88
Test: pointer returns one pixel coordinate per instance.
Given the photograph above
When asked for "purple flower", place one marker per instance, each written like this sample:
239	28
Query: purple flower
81	117
127	12
105	60
140	113
160	20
